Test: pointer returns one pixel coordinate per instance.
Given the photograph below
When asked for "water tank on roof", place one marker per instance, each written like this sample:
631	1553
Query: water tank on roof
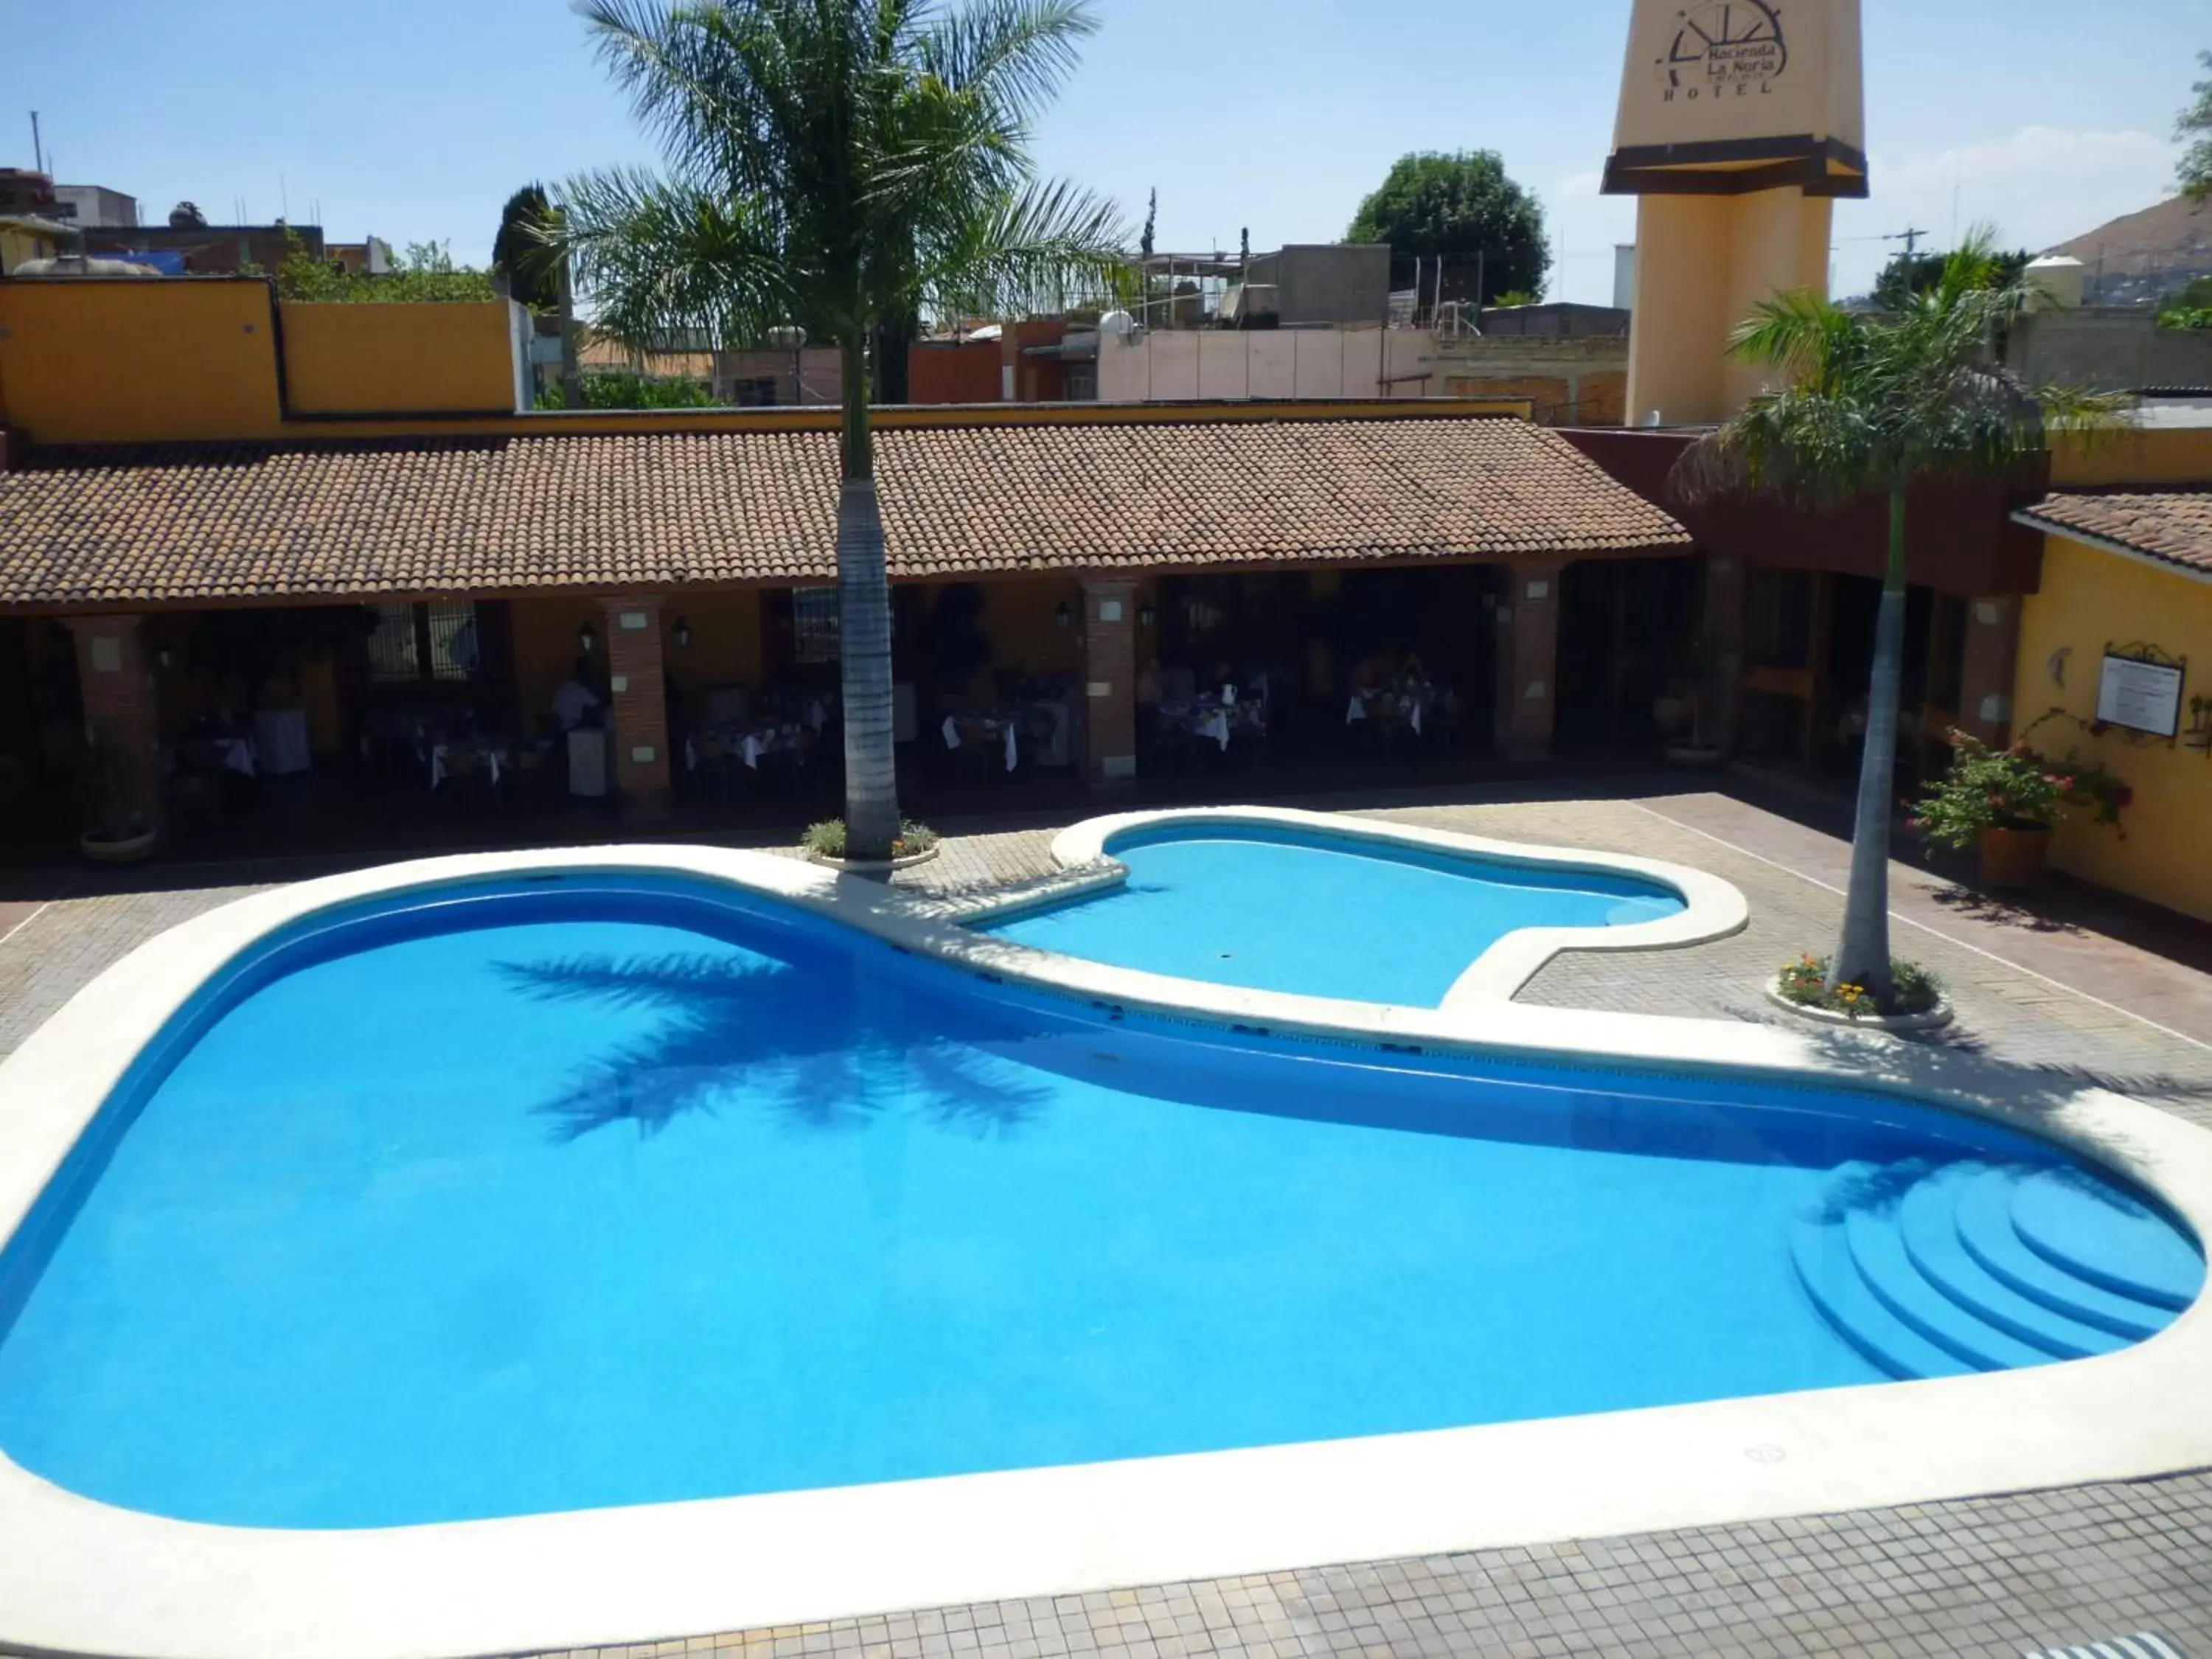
2059	275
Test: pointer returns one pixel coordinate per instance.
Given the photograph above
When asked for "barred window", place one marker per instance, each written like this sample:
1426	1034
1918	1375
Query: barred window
391	653
433	642
814	624
452	626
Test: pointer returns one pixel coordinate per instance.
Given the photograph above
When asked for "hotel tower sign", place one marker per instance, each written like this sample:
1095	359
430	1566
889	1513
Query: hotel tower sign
1733	48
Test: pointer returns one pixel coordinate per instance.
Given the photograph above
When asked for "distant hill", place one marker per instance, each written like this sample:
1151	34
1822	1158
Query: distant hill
2146	255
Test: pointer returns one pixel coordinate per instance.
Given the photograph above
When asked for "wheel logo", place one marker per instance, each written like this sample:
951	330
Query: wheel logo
1724	48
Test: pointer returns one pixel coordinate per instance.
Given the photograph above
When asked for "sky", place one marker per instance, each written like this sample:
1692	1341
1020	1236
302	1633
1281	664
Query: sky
414	120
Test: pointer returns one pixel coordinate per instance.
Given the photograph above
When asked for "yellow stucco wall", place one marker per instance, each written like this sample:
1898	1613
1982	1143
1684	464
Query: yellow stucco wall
545	645
1702	263
152	359
2090	598
130	360
725	648
354	359
2157	456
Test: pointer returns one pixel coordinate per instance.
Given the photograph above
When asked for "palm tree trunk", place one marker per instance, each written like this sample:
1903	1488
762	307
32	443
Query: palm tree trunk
864	627
1861	956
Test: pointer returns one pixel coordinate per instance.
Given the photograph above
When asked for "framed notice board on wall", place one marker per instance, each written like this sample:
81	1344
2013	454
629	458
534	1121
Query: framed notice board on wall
2142	693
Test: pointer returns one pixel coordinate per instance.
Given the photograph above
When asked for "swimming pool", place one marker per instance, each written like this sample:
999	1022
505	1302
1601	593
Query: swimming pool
1281	900
590	1189
82	1574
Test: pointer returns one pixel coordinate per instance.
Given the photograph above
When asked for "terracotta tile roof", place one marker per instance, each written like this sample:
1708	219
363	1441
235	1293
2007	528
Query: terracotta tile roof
2173	525
178	523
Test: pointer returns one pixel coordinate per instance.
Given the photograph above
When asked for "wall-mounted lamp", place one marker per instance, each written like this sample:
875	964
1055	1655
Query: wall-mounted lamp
1062	617
1146	616
587	638
682	634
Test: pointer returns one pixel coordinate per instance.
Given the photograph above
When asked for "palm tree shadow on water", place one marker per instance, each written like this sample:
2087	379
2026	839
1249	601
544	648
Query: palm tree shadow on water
821	1050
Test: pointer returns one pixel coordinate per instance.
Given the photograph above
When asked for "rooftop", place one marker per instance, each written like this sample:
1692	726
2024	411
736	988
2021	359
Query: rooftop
606	511
2172	525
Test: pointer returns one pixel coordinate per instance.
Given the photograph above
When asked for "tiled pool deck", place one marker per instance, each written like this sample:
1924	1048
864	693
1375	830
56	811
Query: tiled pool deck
1997	1575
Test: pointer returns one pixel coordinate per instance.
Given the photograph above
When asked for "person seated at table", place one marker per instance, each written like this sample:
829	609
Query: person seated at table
1373	672
1412	672
573	700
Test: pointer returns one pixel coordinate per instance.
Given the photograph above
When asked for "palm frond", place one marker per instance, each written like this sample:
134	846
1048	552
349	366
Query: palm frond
1795	333
1015	54
658	257
1049	244
1873	402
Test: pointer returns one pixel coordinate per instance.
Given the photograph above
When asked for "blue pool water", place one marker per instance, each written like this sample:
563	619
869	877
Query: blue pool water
1278	910
601	1191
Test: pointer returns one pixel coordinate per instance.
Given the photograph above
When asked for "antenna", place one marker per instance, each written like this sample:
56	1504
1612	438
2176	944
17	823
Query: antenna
1909	236
38	154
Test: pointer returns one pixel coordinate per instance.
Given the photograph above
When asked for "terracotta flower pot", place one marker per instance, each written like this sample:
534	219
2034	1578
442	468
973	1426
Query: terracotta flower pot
2014	858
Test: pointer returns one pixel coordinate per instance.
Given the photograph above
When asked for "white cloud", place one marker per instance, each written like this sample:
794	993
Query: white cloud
2041	185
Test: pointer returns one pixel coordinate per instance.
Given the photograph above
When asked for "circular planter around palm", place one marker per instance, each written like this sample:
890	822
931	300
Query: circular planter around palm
2013	855
863	866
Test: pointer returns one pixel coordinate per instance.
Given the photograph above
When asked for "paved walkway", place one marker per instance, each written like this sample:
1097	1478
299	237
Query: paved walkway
1995	1576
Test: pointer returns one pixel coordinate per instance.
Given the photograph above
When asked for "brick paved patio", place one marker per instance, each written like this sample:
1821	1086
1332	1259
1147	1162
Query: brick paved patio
1995	1576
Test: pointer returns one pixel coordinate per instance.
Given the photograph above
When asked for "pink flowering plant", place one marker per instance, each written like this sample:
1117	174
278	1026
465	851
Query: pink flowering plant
2015	788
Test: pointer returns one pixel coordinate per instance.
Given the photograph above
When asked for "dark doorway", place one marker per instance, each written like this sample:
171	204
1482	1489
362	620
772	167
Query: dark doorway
1627	631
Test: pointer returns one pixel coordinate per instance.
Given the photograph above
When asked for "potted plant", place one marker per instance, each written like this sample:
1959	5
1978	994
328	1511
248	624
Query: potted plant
117	831
2003	802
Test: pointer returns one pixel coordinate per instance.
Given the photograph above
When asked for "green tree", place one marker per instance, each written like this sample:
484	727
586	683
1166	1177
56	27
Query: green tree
619	388
1917	273
1868	405
519	251
1457	206
836	164
2191	308
2193	126
425	272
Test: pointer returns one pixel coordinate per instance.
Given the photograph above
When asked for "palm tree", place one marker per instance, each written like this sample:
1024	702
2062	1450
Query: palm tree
1868	403
835	165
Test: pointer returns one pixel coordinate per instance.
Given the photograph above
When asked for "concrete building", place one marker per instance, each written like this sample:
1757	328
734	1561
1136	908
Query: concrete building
95	207
203	250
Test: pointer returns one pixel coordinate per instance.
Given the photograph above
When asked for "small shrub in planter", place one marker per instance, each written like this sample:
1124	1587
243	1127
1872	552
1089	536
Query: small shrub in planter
1805	983
827	839
1990	797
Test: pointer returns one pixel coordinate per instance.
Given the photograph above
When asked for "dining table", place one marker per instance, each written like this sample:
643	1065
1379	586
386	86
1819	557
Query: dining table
1406	703
985	728
747	741
1218	715
457	753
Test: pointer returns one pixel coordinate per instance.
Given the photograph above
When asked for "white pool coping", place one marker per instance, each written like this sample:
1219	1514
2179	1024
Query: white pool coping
77	1575
1711	908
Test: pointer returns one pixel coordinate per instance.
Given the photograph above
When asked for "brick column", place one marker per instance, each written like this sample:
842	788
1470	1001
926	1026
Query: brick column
638	704
1720	668
119	710
1110	673
1986	669
1528	660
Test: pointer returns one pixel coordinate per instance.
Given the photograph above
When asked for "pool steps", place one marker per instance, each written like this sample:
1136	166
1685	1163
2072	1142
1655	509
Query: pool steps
1985	1267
